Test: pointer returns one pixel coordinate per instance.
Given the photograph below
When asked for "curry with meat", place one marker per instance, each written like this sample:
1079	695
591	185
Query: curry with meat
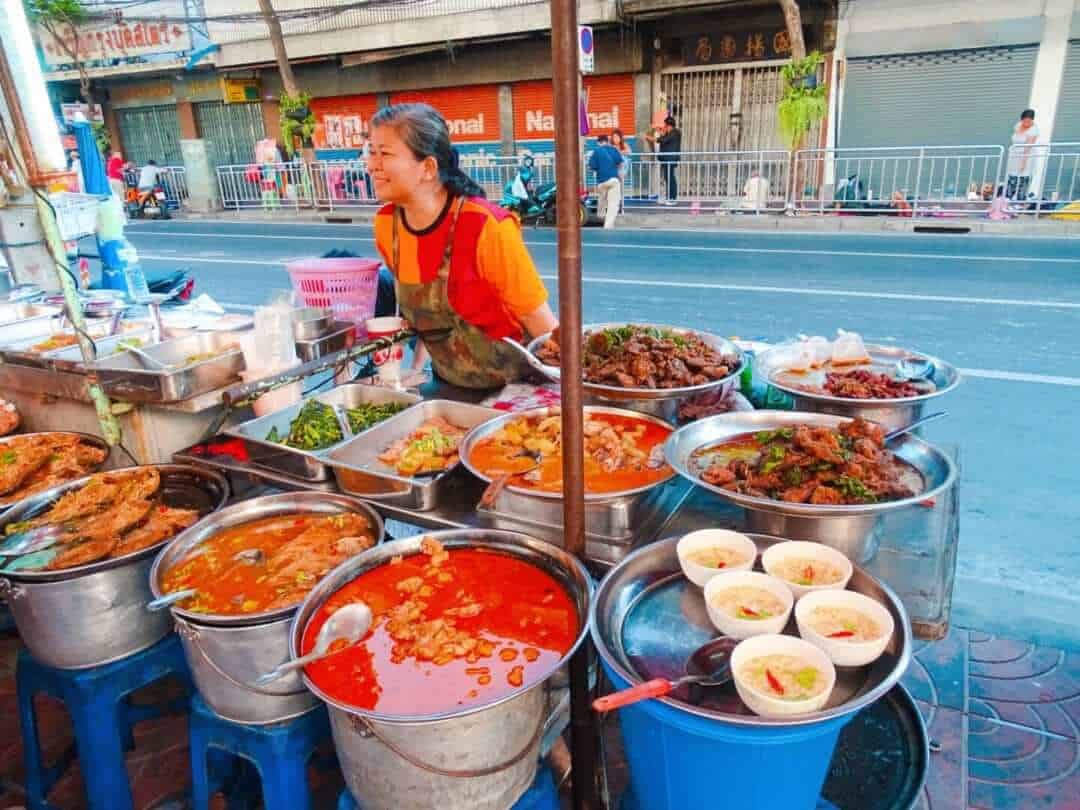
811	464
646	357
41	461
451	628
114	514
621	452
267	563
431	448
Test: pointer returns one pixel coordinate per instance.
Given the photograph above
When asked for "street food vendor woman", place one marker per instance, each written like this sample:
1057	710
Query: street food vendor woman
458	261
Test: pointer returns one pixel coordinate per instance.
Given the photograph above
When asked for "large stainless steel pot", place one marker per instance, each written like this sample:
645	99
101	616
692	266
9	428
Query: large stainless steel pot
94	614
227	654
891	413
847	528
482	757
660	402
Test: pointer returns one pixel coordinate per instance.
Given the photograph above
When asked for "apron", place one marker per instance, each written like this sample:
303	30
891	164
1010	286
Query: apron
467	357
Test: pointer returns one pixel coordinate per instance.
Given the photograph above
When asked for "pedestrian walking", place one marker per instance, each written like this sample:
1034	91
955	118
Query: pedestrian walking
606	161
669	144
1025	133
618	140
114	170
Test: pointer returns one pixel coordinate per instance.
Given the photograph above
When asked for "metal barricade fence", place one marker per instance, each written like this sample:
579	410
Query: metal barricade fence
270	186
741	181
494	172
1041	178
903	180
174	179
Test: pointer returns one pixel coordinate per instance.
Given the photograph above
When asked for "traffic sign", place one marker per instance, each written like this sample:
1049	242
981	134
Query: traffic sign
586	49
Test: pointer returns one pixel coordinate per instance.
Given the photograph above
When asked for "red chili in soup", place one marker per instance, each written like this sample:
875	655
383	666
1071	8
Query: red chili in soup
451	628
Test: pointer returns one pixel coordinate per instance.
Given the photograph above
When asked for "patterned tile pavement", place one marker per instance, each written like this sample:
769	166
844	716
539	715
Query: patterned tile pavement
1003	718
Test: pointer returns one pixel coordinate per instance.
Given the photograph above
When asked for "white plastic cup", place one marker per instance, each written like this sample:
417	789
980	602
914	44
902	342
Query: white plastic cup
387	361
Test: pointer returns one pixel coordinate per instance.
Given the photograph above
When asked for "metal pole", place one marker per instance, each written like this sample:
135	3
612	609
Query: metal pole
564	52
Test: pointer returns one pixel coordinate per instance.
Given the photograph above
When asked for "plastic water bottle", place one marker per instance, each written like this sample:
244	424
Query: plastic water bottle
134	278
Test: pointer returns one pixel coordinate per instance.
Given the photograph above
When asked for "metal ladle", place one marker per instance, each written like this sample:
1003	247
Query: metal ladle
146	358
914	369
708	665
918	423
553	373
349	624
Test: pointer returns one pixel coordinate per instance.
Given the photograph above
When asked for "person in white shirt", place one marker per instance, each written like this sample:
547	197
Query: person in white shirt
756	192
1025	133
149	176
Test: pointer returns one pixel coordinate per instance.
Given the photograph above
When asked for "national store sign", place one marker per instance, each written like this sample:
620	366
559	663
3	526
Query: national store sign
471	112
609	106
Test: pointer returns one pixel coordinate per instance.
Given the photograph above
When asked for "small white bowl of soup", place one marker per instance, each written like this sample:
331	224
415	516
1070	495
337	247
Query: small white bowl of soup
807	567
781	676
704	554
852	629
742	604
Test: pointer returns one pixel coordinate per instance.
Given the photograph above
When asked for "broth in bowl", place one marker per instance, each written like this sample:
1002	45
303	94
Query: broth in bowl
784	677
843	624
808	572
748	602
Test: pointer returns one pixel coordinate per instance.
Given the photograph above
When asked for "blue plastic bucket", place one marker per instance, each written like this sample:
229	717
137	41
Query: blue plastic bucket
679	761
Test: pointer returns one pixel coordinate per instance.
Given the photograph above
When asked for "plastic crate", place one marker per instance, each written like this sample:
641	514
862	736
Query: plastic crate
347	286
76	214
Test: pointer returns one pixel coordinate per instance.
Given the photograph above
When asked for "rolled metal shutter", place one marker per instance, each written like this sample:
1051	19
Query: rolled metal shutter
1067	125
151	133
944	98
232	130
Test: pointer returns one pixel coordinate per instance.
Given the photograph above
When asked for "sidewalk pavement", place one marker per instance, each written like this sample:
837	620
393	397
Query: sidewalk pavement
680	219
1003	718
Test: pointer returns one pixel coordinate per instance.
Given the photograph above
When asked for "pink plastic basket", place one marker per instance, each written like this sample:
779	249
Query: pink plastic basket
348	287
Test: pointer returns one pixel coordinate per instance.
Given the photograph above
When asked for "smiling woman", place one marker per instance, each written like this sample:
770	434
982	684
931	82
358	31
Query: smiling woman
459	262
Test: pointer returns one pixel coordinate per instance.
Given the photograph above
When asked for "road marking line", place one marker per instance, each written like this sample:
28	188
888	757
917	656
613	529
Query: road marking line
948	299
205	260
1020	376
684	248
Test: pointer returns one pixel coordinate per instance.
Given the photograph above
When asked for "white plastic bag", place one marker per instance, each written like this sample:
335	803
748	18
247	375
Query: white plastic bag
820	350
849	349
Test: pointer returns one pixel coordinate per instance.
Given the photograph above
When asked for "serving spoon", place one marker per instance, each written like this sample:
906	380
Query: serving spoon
914	369
708	665
170	599
349	624
918	423
553	373
147	359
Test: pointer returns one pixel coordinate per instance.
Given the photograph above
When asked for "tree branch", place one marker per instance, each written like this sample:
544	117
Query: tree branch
793	21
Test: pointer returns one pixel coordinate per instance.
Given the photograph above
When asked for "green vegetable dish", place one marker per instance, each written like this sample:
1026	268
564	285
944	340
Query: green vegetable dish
316	426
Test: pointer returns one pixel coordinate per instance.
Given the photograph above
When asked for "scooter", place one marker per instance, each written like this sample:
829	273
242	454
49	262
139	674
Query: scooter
529	205
152	204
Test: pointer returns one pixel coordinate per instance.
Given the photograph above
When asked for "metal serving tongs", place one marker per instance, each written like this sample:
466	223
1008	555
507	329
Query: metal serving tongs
553	373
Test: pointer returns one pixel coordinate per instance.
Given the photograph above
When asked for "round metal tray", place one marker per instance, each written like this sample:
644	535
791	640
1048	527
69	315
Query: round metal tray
892	413
493	426
937	469
185	543
619	394
182	487
647	619
88	438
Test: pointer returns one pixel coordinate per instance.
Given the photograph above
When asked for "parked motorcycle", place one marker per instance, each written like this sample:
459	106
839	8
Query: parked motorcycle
152	204
534	205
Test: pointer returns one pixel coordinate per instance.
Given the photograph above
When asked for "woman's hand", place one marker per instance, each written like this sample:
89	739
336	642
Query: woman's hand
540	321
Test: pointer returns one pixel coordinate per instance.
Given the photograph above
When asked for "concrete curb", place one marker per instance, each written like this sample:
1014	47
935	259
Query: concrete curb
664	220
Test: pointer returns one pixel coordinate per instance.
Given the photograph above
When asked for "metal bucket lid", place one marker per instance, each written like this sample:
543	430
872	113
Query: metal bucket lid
244	512
647	619
564	567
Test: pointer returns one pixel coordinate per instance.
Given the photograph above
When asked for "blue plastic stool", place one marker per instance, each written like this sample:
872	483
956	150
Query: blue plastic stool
542	795
103	716
279	752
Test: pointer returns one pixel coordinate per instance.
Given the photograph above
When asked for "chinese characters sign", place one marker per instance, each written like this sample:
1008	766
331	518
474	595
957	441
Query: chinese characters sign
736	46
105	42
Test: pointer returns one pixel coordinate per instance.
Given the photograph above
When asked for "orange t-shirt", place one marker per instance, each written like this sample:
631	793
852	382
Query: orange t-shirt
493	282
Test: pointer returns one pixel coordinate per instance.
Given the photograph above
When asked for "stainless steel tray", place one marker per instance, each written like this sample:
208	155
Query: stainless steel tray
849	527
892	413
311	322
624	395
23	321
23	353
307	465
71	359
127	377
359	472
341	336
647	618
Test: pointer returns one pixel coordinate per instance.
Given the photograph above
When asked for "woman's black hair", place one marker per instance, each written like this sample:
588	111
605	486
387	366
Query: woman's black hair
426	134
1027	114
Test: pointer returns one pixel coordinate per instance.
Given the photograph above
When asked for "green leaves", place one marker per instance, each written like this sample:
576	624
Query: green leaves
56	11
802	106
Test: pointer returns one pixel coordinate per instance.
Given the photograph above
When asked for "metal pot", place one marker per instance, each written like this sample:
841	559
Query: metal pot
847	528
890	413
481	757
227	653
94	614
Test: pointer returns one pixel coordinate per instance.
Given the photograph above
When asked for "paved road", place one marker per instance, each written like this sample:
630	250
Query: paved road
1005	309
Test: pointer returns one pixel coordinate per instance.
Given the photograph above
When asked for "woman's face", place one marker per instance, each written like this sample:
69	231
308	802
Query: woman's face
616	140
394	169
1026	123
